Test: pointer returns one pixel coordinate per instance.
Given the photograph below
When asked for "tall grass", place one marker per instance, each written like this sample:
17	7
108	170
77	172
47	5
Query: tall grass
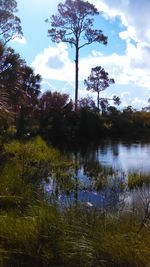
137	180
75	237
38	233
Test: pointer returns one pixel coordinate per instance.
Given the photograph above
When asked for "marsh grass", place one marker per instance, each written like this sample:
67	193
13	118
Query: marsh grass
46	236
137	180
37	233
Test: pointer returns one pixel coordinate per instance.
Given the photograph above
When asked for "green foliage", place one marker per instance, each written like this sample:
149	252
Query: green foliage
97	82
137	180
35	231
19	88
35	161
9	22
46	236
28	167
89	125
55	111
18	236
7	128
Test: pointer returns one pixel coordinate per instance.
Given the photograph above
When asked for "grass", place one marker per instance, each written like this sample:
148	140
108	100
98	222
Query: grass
75	237
138	180
37	233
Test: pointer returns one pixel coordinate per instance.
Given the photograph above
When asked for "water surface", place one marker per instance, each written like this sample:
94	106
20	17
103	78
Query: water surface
120	155
102	174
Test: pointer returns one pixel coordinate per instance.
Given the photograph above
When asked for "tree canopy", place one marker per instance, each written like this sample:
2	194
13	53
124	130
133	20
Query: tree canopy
10	24
98	81
74	24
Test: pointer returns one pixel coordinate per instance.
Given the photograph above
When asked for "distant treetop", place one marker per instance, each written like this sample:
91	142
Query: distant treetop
10	24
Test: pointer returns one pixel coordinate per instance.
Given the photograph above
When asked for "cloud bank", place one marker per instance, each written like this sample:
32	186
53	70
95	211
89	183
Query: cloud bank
132	67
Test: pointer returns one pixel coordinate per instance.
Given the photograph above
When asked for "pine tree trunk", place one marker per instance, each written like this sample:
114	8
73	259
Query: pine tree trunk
76	76
98	101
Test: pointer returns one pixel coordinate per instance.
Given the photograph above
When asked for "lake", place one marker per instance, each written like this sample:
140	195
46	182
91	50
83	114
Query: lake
102	175
120	155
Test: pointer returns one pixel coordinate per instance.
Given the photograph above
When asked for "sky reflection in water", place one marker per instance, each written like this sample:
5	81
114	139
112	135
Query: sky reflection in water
125	157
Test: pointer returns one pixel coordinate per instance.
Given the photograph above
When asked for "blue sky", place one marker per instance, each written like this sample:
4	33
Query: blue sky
126	57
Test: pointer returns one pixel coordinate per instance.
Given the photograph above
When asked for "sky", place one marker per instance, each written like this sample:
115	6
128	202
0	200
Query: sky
125	58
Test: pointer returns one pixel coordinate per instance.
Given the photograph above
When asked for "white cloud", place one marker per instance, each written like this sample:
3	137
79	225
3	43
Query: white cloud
134	16
132	13
129	34
54	63
131	68
137	101
125	94
111	10
20	40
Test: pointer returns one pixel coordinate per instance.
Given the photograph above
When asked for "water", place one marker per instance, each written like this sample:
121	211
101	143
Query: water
127	157
102	175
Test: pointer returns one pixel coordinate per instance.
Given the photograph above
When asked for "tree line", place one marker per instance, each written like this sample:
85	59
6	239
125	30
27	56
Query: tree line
25	111
36	228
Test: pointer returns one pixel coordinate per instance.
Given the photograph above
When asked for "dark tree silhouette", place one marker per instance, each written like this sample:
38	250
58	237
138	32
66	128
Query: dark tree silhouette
74	25
10	26
87	103
19	86
98	81
27	98
104	103
53	101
